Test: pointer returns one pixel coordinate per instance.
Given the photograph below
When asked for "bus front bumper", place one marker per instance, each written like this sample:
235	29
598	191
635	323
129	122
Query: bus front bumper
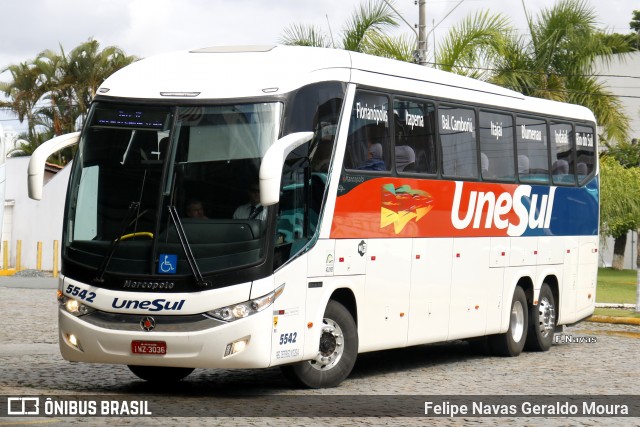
244	343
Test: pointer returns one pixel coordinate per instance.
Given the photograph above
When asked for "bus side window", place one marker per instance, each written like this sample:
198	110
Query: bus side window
415	147
585	152
562	150
458	142
368	145
496	146
531	144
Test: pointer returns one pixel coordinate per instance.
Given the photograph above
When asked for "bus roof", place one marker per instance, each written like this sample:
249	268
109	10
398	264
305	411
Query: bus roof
227	72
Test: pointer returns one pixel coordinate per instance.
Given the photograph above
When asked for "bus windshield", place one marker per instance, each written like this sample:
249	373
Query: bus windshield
152	184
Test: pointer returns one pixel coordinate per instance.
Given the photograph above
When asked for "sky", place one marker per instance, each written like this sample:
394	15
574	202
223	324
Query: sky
147	27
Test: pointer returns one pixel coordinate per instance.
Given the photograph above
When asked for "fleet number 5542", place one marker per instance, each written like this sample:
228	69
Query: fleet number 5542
80	293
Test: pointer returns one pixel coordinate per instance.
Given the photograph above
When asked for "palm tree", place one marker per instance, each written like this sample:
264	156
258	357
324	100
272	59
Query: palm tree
65	84
23	91
363	32
556	60
472	47
89	67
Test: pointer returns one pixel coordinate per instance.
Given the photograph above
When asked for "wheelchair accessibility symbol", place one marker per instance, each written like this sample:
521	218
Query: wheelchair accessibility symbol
167	264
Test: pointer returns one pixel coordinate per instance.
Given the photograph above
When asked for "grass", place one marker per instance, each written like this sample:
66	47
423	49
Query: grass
616	312
616	286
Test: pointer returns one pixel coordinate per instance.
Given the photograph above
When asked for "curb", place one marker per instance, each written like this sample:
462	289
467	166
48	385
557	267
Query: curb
617	320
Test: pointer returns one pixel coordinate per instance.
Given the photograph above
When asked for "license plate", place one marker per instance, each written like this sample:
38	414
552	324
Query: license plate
149	347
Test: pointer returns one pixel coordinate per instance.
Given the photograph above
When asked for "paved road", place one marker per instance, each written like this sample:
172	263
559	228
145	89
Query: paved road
31	365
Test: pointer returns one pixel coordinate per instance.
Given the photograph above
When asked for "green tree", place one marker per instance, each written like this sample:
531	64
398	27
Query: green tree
24	91
474	45
363	32
53	91
619	203
626	159
635	21
556	60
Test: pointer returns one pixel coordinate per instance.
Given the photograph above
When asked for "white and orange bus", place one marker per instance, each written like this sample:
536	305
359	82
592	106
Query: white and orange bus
265	205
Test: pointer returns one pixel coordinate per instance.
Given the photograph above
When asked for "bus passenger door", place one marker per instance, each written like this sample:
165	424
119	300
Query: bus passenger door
385	314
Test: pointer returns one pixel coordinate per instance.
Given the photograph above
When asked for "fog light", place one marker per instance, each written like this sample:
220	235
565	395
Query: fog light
73	341
236	347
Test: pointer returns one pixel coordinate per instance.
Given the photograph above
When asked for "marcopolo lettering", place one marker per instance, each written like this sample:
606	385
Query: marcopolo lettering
148	285
535	213
159	304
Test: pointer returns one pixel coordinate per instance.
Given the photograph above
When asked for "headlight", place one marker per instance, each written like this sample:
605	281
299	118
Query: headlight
73	306
245	309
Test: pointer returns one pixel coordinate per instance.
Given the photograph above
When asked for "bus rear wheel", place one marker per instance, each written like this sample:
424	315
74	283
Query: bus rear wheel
160	373
542	321
337	351
512	342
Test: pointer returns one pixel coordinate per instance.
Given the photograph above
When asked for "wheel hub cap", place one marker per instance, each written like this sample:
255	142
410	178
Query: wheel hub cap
330	348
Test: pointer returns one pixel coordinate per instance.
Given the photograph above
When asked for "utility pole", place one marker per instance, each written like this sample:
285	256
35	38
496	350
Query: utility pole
422	32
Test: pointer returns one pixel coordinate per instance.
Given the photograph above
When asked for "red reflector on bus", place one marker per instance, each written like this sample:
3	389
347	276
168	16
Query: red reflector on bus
373	258
417	256
341	259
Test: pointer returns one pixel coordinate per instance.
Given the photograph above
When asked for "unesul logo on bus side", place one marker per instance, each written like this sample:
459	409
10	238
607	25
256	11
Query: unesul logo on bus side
529	215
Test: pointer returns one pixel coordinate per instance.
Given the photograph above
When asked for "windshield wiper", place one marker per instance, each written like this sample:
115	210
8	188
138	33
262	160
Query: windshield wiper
133	208
191	259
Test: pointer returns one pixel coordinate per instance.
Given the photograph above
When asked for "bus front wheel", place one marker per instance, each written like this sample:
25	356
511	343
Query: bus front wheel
337	351
542	321
512	342
160	373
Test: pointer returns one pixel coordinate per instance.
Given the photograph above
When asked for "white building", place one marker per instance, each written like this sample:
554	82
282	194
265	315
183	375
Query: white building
33	221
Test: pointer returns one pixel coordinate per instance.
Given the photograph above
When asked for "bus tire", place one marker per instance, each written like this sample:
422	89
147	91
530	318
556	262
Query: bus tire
160	373
512	342
337	351
542	321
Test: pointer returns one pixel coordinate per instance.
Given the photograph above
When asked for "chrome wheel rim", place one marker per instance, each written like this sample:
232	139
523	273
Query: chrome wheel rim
331	346
546	317
517	321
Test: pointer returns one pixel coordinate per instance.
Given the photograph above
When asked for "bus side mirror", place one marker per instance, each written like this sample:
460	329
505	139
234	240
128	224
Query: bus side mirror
40	156
272	163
